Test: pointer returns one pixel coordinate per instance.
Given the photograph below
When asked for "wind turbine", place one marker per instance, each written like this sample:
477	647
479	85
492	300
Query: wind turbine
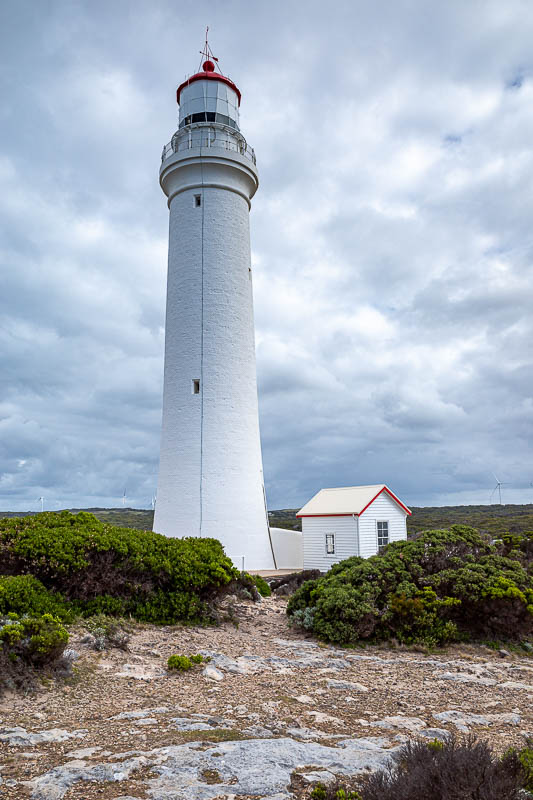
153	502
124	498
497	488
41	500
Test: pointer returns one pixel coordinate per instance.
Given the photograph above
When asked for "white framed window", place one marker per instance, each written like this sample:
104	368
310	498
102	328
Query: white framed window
197	200
195	387
330	544
383	534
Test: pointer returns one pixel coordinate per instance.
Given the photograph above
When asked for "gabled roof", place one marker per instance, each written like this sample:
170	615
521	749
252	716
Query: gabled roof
345	501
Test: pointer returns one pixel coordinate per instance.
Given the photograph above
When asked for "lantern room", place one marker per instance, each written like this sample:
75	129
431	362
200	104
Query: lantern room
209	96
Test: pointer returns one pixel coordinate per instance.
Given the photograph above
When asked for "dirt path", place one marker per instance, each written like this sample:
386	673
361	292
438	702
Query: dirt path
276	703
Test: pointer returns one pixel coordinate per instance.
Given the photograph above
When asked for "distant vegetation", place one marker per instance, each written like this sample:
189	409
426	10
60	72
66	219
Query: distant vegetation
285	518
140	519
439	586
492	519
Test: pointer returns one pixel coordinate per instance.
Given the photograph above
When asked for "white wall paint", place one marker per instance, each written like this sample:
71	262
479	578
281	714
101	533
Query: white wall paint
288	548
383	509
210	475
314	540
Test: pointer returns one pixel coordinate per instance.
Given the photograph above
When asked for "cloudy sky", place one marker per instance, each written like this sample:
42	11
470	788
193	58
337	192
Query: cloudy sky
392	242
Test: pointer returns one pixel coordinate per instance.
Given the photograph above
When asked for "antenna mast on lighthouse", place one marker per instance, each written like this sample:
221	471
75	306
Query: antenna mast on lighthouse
207	53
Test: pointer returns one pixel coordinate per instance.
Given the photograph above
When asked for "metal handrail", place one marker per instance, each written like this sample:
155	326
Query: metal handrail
184	142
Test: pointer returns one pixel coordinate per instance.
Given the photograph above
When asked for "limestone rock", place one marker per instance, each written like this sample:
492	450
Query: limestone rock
304	698
212	673
20	737
516	685
258	767
462	720
354	687
465	677
141	713
413	724
141	672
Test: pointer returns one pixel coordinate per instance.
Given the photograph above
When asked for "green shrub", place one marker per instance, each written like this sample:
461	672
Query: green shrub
437	587
107	632
525	757
262	586
321	792
24	594
34	640
88	567
180	663
183	663
26	644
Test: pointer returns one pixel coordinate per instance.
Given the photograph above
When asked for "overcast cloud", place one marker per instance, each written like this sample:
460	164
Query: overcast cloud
392	242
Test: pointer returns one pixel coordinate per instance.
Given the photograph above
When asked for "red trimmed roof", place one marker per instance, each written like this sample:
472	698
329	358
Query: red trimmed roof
392	495
346	501
208	75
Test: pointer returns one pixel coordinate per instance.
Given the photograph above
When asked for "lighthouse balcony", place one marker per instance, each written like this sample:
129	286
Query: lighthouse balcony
207	136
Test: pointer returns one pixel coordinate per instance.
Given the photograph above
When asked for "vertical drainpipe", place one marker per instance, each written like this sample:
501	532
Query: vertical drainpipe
357	528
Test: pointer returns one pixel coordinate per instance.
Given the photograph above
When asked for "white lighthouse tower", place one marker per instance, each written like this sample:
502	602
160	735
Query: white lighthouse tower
210	472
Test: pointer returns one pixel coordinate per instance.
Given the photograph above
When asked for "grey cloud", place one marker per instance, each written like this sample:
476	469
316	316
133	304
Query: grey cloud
391	242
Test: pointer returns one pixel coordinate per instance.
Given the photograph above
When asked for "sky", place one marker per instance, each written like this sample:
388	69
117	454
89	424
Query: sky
392	242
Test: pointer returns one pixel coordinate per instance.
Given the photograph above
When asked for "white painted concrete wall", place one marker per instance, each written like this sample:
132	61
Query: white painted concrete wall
288	548
210	474
314	531
382	509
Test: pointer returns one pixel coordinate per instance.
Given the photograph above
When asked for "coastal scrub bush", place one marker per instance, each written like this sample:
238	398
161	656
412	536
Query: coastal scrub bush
35	640
27	643
321	792
262	586
250	587
183	663
437	587
105	632
89	567
24	594
287	584
455	770
525	756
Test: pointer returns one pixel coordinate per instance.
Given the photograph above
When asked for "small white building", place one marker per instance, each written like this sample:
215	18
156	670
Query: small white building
350	521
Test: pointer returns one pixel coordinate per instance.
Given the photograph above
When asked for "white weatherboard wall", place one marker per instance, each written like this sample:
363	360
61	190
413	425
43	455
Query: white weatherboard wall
354	535
314	531
210	474
383	509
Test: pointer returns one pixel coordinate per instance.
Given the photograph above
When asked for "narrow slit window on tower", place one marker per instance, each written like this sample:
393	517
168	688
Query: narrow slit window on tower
196	386
197	200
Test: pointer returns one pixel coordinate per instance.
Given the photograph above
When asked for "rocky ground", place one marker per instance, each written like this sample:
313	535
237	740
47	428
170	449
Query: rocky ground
271	712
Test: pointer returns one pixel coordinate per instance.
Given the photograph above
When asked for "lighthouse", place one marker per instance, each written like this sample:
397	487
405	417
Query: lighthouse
210	472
